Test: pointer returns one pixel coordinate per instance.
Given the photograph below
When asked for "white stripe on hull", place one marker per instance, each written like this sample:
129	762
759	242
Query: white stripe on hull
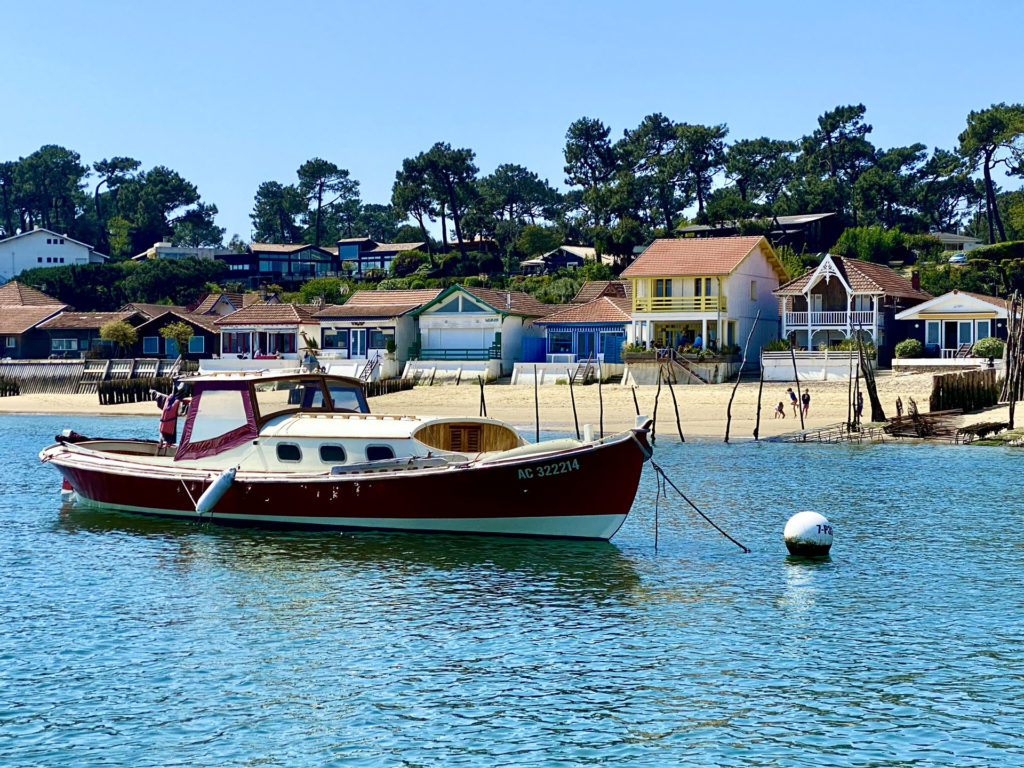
560	526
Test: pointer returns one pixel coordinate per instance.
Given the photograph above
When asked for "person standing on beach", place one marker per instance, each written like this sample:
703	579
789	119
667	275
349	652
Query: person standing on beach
780	411
860	405
792	400
805	398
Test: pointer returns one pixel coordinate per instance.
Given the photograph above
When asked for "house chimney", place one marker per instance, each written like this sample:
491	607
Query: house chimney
508	299
915	280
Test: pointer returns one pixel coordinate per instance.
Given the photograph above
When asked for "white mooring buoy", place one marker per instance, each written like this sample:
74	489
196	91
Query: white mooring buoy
808	534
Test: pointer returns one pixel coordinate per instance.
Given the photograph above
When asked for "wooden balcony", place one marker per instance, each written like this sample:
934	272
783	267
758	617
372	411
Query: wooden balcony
679	304
863	319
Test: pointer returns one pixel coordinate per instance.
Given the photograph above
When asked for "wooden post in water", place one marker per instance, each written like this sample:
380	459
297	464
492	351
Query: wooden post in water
739	373
483	404
849	395
536	403
675	406
600	400
572	396
636	404
796	378
654	416
856	393
760	388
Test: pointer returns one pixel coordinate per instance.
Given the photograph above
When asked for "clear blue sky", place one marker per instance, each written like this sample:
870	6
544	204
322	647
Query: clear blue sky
234	94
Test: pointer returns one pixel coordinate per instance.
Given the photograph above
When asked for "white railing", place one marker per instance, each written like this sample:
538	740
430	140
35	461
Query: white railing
864	319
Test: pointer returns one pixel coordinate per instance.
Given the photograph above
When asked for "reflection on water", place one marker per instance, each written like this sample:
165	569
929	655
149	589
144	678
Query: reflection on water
133	641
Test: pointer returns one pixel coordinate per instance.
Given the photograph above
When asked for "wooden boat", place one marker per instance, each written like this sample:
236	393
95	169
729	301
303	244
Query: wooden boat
304	451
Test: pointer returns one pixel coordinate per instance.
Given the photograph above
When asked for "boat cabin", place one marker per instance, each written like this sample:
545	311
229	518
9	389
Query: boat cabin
228	410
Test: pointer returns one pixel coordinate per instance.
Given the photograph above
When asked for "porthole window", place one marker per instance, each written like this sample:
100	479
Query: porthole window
379	452
288	452
332	454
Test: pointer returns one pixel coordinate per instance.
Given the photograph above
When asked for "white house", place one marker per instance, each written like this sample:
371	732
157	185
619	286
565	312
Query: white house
476	329
359	329
43	248
843	297
269	334
950	324
707	287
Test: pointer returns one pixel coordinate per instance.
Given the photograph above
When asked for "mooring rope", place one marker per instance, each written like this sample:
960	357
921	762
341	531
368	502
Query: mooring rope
665	477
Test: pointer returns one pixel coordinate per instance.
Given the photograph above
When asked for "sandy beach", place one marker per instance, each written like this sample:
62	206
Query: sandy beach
702	409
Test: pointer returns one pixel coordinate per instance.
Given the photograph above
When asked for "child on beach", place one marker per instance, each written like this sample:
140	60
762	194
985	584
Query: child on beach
792	400
805	398
780	411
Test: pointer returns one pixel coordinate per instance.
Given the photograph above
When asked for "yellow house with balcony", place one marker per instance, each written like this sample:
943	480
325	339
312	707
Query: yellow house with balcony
707	287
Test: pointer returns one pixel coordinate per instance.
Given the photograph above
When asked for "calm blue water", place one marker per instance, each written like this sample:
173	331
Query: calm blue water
131	642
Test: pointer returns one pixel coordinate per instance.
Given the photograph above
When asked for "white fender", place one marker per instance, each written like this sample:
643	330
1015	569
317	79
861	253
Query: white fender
212	494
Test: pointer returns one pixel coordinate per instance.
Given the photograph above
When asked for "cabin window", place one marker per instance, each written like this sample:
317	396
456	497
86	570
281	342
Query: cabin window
150	345
64	345
377	339
332	454
273	397
931	336
9	342
662	288
753	290
559	342
288	452
347	398
336	339
983	329
379	452
196	345
219	412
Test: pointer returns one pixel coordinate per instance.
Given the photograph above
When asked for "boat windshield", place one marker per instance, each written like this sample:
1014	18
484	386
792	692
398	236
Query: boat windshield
306	394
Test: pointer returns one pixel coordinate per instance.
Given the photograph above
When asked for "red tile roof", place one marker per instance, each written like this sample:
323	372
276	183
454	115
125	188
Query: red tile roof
862	277
513	302
373	298
380	303
671	257
14	320
86	320
15	294
271	314
593	289
600	310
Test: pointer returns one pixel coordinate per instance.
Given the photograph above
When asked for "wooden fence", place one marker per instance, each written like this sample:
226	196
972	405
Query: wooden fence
66	377
967	390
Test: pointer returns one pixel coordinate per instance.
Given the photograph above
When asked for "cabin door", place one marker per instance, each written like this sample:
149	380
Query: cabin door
357	342
587	346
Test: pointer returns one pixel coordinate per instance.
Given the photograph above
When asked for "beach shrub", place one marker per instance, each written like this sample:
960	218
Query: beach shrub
777	345
909	348
988	347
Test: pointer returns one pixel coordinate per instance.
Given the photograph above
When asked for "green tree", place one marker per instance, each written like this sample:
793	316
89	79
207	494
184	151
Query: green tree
332	290
760	168
120	333
274	213
703	157
180	332
407	262
322	183
451	176
196	228
590	163
993	137
652	171
536	240
410	195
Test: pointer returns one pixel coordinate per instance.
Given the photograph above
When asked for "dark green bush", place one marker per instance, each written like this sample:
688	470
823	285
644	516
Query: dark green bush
988	347
909	348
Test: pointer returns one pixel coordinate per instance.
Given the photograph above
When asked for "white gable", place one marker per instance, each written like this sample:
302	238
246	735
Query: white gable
953	303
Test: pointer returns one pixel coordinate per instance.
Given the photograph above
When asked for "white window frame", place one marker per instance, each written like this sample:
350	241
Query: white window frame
753	290
928	325
988	331
197	345
151	345
10	342
64	345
